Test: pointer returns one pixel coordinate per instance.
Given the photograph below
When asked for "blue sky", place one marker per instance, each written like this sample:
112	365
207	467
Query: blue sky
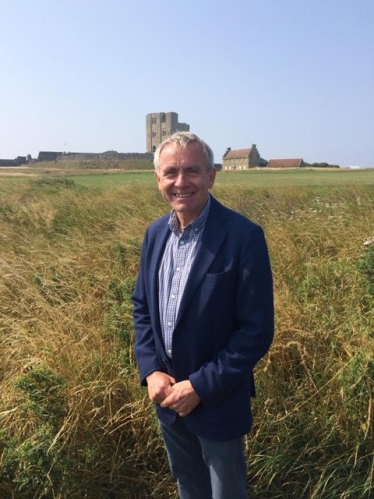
294	77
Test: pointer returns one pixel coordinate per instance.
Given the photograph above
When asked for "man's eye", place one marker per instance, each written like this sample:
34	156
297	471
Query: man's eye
192	172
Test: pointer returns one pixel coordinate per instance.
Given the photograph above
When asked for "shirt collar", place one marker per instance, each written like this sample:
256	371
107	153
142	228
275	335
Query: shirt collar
196	225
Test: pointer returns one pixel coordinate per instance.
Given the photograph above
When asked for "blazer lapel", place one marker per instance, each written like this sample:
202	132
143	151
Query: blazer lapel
209	245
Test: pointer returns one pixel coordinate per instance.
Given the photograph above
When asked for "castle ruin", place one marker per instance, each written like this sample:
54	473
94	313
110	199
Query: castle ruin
159	126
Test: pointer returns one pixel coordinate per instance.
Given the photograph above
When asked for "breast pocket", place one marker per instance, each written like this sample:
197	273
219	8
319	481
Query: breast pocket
216	290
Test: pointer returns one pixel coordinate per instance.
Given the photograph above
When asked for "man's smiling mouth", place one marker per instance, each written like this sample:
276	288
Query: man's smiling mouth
183	195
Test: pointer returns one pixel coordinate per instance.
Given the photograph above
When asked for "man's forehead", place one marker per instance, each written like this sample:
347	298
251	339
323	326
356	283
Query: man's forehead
175	147
192	151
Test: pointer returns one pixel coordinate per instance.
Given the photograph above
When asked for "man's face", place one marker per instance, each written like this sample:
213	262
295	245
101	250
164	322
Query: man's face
184	180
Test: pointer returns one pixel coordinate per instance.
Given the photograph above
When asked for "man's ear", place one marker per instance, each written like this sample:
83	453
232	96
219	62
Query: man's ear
158	178
212	177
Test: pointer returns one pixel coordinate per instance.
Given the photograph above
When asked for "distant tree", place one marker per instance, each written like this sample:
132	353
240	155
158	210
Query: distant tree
263	162
323	164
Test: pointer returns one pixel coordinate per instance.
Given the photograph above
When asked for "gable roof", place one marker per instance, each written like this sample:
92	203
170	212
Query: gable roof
238	154
285	163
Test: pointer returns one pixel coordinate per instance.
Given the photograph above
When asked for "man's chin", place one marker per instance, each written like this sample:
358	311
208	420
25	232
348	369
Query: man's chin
181	206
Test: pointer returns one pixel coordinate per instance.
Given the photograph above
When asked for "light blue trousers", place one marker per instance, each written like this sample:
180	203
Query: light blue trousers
205	469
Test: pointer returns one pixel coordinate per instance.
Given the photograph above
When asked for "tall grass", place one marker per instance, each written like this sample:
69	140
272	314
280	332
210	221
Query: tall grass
74	422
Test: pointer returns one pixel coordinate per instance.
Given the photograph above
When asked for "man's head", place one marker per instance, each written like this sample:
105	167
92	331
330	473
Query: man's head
182	140
185	173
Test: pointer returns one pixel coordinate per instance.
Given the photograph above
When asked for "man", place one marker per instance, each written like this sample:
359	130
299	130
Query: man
203	317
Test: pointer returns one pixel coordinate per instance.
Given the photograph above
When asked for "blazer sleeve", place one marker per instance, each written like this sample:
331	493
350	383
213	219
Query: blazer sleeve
145	347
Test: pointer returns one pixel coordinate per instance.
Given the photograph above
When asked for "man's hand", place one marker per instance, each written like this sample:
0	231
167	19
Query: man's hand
182	399
159	386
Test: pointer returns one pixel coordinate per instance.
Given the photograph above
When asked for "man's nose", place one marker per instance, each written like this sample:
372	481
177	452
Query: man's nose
182	179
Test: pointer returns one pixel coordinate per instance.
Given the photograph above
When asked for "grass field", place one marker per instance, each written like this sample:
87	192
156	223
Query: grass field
74	422
252	179
255	178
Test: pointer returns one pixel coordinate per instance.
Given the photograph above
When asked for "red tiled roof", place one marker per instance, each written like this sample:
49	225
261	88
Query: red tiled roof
238	154
285	163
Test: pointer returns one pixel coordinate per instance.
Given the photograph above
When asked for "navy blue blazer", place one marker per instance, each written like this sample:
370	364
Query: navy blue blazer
225	323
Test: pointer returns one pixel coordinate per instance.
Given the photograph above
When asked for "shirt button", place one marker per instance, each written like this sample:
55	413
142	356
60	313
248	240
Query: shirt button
170	324
169	353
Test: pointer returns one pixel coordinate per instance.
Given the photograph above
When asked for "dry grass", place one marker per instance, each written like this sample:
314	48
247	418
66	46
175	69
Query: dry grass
74	422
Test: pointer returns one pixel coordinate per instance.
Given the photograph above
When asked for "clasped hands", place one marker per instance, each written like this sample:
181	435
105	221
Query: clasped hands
180	397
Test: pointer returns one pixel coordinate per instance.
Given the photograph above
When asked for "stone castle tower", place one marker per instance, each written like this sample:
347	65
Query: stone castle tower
160	126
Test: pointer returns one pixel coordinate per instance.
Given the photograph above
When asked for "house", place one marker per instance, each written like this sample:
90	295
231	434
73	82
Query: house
241	159
286	163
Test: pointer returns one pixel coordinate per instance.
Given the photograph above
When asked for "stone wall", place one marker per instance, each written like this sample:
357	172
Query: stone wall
104	156
48	155
18	161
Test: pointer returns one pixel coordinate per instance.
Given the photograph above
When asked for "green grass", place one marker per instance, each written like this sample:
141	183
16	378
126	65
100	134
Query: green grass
74	422
256	178
253	178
